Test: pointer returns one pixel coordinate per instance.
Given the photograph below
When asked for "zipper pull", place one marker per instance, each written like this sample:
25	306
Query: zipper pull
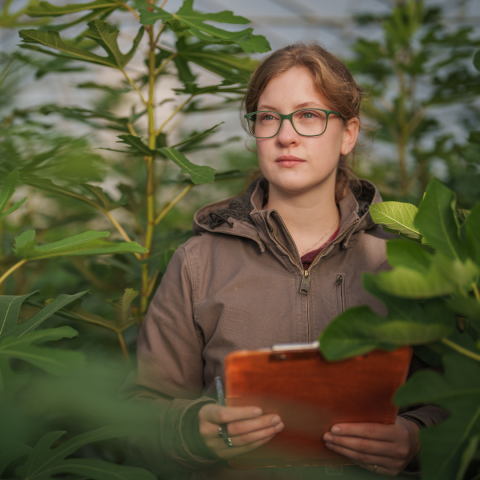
305	283
339	280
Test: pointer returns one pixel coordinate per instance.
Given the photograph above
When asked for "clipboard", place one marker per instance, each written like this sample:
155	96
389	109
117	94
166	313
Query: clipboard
311	395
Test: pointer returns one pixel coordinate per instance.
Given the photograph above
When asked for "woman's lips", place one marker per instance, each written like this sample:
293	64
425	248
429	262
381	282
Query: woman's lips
289	161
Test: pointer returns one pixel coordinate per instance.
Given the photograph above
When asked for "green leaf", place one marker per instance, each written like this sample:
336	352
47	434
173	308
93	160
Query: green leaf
476	60
137	146
78	313
196	138
8	190
359	330
197	26
445	276
9	310
46	9
474	137
45	462
11	450
122	308
54	361
101	32
106	36
437	220
198	174
31	324
472	228
468	455
402	253
88	243
397	217
458	391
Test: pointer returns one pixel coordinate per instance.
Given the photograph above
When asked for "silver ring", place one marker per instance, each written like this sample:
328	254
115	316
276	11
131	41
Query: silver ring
220	431
228	442
375	469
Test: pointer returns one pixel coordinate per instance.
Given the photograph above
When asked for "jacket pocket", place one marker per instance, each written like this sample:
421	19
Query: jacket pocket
340	280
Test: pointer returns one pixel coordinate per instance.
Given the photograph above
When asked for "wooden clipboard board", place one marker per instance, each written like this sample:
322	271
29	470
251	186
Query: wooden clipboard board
311	395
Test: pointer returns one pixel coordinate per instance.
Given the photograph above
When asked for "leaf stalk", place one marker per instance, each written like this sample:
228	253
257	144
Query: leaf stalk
162	126
460	349
173	203
11	270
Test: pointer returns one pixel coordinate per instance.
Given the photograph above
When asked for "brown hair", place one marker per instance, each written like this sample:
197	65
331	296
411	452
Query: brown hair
332	79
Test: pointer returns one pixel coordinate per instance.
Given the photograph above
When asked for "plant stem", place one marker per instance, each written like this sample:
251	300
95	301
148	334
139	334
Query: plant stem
132	83
131	129
152	283
173	203
157	38
476	292
165	62
124	347
460	349
128	7
12	269
173	114
152	140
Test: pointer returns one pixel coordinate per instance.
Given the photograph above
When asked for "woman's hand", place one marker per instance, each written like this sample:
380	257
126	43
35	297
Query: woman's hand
389	447
247	428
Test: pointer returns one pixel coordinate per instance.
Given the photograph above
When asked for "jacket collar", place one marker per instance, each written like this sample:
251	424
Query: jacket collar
266	227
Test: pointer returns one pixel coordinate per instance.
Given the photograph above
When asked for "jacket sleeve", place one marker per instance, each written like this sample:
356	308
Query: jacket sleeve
170	372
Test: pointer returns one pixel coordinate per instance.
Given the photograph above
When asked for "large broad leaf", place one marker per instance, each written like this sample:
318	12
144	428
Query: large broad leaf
46	9
360	330
8	190
101	32
437	220
195	22
99	200
88	243
11	450
45	462
458	391
10	308
443	276
136	145
472	227
54	361
397	217
198	174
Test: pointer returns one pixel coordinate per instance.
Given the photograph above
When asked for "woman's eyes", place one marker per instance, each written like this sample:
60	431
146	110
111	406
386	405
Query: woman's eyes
268	116
308	114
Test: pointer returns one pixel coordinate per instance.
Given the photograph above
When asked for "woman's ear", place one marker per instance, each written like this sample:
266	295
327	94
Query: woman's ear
350	135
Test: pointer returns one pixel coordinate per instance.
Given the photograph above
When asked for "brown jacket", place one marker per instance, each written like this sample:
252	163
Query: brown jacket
239	284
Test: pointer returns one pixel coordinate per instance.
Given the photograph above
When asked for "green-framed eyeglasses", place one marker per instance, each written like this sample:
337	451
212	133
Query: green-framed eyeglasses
308	122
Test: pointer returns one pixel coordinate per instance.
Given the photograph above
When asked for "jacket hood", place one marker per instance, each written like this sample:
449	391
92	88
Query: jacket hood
239	209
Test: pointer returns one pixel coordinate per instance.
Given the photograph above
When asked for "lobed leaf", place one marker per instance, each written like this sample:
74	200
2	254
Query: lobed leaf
54	361
10	451
195	22
437	220
87	243
198	174
45	461
136	145
46	9
196	138
398	217
6	193
444	446
9	310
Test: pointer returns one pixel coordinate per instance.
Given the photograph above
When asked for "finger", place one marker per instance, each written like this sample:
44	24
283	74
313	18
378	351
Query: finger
373	431
252	437
390	465
365	445
226	452
246	426
219	415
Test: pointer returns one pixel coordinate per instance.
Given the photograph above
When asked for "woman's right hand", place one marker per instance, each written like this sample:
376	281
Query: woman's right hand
247	427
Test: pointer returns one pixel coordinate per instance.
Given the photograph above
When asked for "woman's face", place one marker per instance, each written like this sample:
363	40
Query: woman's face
293	163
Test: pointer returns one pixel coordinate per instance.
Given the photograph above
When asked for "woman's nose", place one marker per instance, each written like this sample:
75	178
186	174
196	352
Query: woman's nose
287	134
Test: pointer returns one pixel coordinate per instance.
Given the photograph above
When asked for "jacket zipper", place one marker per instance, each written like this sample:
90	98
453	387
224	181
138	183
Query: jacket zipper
341	292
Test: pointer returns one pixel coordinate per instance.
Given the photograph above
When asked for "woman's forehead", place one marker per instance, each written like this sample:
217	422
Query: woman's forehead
292	90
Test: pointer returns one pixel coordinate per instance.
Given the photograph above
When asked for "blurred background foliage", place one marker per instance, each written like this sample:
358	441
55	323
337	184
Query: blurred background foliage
423	100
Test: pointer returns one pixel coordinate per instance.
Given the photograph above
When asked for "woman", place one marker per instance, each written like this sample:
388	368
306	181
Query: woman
275	265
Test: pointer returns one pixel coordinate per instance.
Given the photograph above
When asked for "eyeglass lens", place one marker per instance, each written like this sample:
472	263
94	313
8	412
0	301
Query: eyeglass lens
305	122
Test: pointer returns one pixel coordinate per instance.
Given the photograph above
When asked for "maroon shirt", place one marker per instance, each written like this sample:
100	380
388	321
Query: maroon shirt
309	257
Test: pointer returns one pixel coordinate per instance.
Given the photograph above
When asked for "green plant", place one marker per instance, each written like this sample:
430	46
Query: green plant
415	74
432	295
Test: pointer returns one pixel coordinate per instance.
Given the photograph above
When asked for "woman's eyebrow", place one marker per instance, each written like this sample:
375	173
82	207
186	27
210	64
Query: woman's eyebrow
297	107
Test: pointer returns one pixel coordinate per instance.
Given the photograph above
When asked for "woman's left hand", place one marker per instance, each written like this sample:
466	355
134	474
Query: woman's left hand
388	447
